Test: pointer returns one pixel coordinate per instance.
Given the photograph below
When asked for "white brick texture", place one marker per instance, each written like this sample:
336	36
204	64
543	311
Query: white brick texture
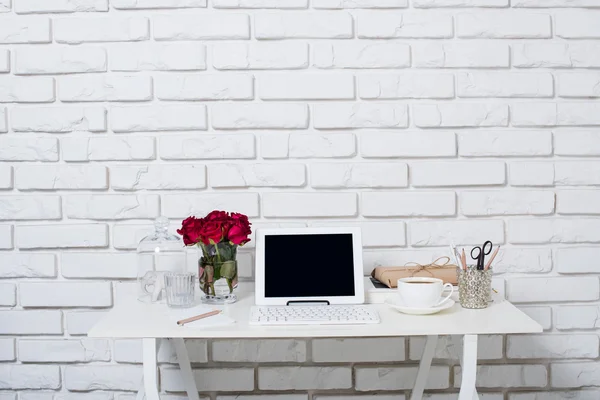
28	265
61	236
32	322
358	350
359	115
505	143
6	177
415	204
28	149
73	177
260	116
461	55
81	350
364	175
512	376
398	378
131	178
29	376
507	203
278	350
7	350
112	206
81	30
361	56
449	348
6	237
136	148
552	346
407	145
420	121
59	119
309	204
157	4
98	265
205	87
103	377
213	379
150	118
387	25
260	56
8	294
75	294
503	25
406	86
205	147
59	6
26	90
256	175
199	27
104	88
303	378
320	25
25	30
43	60
177	206
157	57
310	87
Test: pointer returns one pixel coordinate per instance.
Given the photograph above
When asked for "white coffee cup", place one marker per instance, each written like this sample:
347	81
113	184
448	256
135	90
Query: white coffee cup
422	292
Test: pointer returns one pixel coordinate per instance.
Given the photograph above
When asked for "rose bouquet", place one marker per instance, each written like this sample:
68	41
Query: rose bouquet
218	235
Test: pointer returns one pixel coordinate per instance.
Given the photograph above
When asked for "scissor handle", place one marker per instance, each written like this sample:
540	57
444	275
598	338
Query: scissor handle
478	252
485	248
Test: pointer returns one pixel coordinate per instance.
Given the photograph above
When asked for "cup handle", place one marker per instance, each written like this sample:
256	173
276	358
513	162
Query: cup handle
449	294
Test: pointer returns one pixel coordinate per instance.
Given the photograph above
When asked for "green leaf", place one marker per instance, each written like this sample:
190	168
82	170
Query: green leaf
228	269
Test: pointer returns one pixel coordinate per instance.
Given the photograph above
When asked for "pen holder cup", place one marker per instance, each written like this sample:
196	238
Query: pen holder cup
474	287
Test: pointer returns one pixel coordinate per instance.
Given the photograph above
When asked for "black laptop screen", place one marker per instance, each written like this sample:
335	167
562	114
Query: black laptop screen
309	265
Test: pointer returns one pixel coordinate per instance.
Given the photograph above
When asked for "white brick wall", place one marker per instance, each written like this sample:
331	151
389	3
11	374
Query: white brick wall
419	120
82	350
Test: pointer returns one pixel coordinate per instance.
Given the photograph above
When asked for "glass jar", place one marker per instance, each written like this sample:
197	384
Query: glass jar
158	253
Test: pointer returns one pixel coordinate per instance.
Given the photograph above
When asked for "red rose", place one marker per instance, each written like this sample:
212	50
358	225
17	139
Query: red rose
217	216
240	217
212	232
190	230
239	230
238	234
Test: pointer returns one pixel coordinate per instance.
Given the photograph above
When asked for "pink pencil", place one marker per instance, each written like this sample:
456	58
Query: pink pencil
489	263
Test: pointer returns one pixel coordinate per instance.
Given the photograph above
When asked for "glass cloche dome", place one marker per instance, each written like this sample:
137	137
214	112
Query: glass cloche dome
158	253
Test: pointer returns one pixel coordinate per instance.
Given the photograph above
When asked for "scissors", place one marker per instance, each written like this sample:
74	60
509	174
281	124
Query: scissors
481	253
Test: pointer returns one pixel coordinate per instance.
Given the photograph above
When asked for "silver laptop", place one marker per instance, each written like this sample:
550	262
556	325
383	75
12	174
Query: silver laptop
310	276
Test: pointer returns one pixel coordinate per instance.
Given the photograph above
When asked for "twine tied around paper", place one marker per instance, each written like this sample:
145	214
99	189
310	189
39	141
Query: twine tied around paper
436	264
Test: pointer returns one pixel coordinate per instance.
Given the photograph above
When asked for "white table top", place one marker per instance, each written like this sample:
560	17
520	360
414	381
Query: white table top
139	320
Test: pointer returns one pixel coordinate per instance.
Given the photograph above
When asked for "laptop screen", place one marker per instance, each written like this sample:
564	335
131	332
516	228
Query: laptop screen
310	265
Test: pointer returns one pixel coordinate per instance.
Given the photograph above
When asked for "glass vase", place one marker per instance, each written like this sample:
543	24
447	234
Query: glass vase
218	273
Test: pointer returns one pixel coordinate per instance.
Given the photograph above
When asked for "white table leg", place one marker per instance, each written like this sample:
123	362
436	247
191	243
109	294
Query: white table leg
141	394
185	368
150	371
469	369
424	366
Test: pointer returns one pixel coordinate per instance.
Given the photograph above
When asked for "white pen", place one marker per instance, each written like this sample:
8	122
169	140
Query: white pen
453	251
455	254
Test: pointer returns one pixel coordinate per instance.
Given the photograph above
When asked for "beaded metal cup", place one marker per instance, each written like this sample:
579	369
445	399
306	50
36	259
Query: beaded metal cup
474	287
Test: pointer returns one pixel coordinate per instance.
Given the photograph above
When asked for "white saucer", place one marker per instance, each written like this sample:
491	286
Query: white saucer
397	305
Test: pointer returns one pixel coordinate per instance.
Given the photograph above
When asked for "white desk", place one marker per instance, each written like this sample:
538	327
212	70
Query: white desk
151	322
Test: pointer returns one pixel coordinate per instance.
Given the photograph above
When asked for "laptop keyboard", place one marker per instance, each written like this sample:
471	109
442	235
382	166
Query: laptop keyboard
313	315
